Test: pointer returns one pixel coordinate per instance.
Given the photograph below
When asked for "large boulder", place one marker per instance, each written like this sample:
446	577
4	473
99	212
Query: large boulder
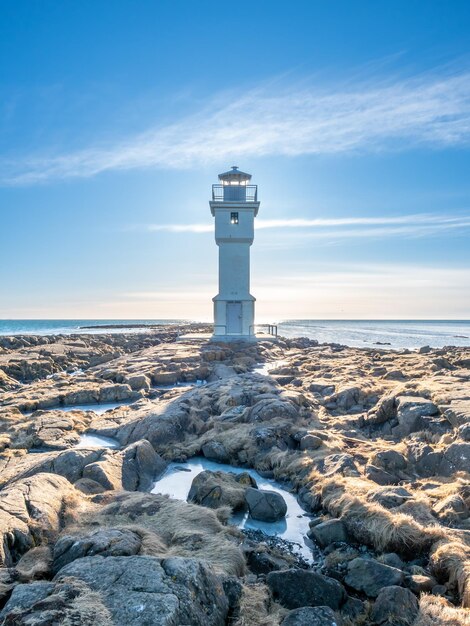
311	616
295	588
410	413
215	451
328	532
141	590
107	471
216	489
390	497
380	476
456	458
141	466
137	382
395	606
103	542
370	576
135	468
27	510
458	412
338	464
270	408
266	506
48	604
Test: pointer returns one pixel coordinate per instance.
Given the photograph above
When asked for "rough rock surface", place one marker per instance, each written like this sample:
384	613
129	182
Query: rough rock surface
216	489
311	616
146	590
29	510
295	588
370	576
267	506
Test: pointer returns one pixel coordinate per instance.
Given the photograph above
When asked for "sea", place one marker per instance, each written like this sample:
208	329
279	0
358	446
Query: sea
387	334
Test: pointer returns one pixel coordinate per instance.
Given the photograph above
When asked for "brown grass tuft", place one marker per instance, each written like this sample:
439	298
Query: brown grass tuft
257	608
434	610
450	560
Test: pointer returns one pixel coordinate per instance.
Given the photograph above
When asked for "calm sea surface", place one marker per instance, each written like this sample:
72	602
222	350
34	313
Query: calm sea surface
359	333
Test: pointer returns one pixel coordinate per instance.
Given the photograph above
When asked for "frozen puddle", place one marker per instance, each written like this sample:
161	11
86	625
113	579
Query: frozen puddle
88	440
264	369
187	385
177	480
98	408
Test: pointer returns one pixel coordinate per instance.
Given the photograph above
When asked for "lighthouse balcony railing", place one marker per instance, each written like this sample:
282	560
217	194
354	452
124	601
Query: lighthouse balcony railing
235	193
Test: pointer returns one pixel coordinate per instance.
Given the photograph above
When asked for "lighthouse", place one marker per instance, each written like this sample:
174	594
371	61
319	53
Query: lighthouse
234	206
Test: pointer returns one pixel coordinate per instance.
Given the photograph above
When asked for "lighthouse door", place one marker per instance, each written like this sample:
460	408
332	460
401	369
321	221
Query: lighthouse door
234	318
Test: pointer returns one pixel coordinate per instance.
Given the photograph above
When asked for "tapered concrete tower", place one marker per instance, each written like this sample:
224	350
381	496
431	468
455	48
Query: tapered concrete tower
234	205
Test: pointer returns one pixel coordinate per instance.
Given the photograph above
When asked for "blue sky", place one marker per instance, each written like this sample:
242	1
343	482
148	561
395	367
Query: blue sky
116	117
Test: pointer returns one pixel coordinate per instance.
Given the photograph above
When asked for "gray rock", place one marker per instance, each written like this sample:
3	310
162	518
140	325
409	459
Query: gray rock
141	466
458	413
107	471
410	411
104	542
451	510
329	532
464	432
216	489
215	451
324	387
295	588
380	476
392	559
456	458
346	398
338	464
270	408
23	596
384	410
390	460
310	616
263	562
141	590
68	602
390	497
310	442
395	605
370	576
266	506
29	508
137	382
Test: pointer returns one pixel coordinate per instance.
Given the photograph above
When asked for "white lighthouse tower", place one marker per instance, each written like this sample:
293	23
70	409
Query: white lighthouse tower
234	205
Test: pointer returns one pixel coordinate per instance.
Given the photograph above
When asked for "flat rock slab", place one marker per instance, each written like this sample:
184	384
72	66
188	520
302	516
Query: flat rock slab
370	576
140	590
296	588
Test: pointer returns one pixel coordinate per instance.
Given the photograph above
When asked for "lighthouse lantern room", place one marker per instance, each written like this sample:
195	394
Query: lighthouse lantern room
234	206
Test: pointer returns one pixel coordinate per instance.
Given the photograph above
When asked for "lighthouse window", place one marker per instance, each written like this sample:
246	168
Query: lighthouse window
234	218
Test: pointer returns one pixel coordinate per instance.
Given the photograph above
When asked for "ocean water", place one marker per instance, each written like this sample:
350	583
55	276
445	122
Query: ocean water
68	327
392	334
389	334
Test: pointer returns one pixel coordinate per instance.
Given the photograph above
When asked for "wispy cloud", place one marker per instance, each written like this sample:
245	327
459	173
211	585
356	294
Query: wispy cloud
413	225
368	115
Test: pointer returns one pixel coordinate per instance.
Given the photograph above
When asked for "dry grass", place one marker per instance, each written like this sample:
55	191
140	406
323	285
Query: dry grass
450	560
372	524
435	611
257	608
35	564
177	528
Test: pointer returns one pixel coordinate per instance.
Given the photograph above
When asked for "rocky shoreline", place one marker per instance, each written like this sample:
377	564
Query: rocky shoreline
376	443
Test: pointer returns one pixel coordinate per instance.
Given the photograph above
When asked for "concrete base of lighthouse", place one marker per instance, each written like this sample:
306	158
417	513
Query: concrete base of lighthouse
234	319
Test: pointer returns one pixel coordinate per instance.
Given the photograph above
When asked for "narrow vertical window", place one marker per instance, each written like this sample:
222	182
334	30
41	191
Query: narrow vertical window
233	218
